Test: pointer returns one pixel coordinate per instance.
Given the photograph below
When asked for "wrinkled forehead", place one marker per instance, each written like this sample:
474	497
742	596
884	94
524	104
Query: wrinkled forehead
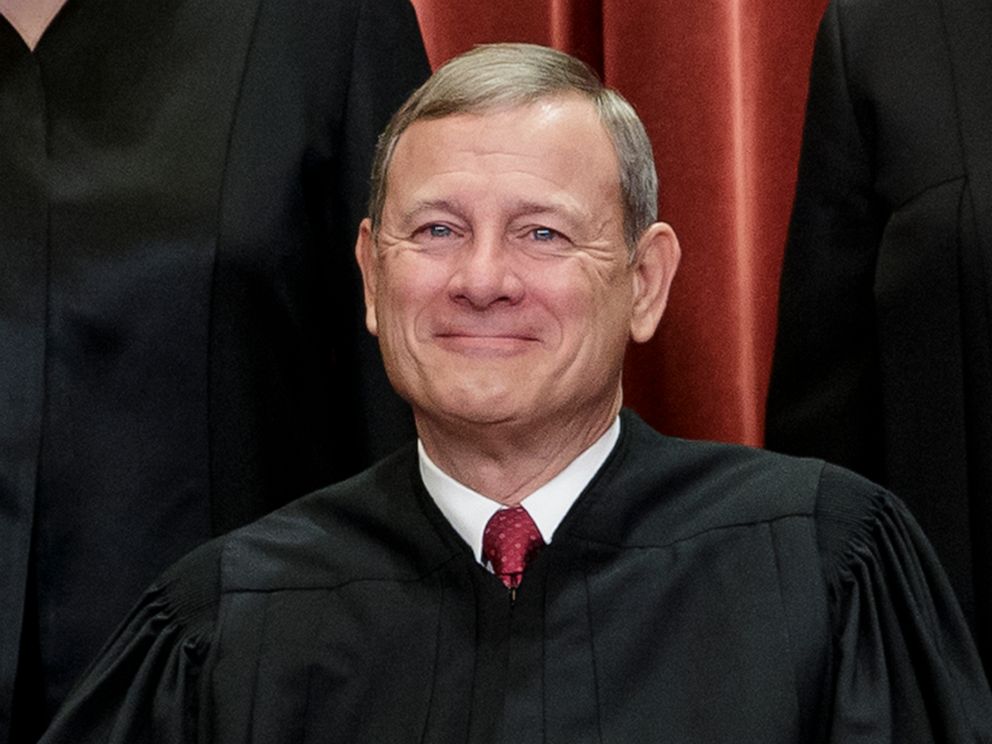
559	143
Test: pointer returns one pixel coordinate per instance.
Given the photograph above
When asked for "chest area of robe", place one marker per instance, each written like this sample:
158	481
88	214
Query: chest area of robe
698	641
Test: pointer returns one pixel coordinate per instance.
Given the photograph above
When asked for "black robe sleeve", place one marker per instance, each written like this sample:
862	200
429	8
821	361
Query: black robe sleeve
147	685
823	395
905	668
388	63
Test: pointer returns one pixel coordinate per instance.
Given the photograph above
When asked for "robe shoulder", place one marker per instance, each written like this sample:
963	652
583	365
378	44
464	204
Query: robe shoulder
674	489
374	526
855	573
151	680
145	684
679	489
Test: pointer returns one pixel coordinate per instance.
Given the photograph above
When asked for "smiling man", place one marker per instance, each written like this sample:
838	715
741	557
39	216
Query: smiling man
542	566
503	291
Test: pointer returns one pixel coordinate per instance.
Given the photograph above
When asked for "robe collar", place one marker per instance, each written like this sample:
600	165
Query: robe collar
468	511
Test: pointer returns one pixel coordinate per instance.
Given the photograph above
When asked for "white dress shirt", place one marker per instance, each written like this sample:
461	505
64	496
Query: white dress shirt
468	511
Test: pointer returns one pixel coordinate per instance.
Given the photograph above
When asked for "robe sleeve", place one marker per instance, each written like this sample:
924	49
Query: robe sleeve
145	686
388	63
823	396
905	668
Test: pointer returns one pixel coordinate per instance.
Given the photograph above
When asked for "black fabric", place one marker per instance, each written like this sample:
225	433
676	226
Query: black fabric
181	337
883	360
694	593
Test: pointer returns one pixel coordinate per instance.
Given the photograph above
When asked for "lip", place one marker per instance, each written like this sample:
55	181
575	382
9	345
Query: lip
486	343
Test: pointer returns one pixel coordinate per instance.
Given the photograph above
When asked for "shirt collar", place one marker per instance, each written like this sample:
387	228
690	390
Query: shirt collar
468	510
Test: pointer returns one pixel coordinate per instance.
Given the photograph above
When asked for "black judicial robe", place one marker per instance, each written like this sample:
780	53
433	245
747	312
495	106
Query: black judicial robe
181	337
883	360
694	593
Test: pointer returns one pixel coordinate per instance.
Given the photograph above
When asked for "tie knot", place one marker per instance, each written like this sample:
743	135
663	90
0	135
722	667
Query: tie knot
510	540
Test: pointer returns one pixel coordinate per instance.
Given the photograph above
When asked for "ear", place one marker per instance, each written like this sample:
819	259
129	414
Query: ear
655	261
365	252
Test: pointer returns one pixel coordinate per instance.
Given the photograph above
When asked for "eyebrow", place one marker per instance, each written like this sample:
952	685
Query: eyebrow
518	209
441	205
528	207
571	215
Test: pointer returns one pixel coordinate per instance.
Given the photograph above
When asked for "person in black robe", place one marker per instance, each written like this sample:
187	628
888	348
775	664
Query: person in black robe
883	359
686	592
181	346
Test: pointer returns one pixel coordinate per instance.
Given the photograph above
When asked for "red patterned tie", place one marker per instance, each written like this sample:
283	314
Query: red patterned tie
511	539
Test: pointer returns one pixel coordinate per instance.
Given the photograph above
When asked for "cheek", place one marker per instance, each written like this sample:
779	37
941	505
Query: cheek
591	309
407	291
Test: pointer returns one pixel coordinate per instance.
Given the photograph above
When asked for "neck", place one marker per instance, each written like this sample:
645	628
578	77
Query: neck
508	461
30	18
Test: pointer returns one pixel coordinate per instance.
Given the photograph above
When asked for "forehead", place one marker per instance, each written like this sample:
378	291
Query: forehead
554	145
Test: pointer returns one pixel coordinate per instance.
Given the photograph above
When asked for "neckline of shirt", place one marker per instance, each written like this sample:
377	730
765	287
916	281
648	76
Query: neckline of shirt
468	511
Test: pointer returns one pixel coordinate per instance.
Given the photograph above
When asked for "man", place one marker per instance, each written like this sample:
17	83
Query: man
649	589
883	361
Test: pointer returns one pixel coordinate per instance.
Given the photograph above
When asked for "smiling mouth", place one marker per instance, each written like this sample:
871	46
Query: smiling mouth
486	344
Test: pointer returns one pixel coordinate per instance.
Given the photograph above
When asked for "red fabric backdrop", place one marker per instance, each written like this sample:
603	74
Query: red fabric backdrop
721	87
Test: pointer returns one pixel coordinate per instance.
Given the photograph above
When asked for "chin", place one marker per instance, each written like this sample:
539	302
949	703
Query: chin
479	406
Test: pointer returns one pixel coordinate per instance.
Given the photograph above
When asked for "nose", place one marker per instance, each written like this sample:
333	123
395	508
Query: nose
486	274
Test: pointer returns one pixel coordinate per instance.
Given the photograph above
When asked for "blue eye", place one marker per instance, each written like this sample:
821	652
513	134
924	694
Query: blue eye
544	233
439	231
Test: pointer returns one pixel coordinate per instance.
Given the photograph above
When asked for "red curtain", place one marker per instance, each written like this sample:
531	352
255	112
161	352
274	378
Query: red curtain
721	87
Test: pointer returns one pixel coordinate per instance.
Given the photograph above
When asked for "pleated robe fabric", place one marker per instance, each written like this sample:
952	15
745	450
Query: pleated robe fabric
694	593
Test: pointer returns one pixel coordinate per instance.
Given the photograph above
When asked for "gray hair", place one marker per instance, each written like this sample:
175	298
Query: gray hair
497	76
